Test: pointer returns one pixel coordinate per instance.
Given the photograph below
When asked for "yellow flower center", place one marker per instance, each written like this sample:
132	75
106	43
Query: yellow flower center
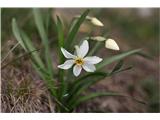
79	61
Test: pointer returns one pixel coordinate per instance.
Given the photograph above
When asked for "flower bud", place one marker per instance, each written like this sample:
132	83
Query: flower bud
98	38
111	44
96	22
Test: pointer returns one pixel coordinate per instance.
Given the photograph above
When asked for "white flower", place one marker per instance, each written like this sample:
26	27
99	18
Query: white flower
111	44
79	60
96	22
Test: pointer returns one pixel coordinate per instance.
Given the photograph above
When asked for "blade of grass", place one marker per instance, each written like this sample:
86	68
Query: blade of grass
40	27
117	66
49	82
37	61
17	58
60	33
95	48
97	45
99	94
121	70
47	19
25	42
16	33
110	60
83	99
11	50
30	47
145	55
75	28
86	81
50	86
83	83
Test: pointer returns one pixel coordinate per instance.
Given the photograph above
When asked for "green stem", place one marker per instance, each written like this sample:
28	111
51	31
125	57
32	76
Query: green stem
95	48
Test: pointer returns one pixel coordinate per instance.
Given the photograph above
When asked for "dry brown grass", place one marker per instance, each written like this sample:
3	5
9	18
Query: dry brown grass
24	91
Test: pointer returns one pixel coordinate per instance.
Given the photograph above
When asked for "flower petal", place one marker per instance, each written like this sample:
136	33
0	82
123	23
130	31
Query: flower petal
93	59
66	65
77	70
77	51
89	67
111	44
83	49
67	54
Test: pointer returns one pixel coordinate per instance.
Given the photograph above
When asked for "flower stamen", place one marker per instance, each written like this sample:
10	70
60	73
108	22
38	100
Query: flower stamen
79	61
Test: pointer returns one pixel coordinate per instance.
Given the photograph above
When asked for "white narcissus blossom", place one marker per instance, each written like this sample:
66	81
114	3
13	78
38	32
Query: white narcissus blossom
111	44
79	60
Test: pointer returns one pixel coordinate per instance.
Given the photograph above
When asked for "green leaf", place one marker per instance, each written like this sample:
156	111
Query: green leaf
10	51
121	70
25	42
17	58
60	33
145	55
47	19
42	32
95	48
45	76
118	66
112	59
28	44
75	28
82	99
83	83
16	33
86	81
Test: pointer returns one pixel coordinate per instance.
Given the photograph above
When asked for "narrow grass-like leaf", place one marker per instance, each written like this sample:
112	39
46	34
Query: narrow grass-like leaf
75	28
99	94
47	19
83	99
50	86
60	33
25	42
117	66
28	44
36	61
48	81
145	55
97	45
112	59
121	70
40	26
17	58
95	48
11	50
86	81
16	33
83	83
